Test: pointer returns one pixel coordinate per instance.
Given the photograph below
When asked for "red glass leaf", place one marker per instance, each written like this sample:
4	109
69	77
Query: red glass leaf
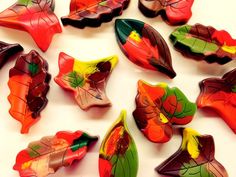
144	46
35	17
7	51
220	95
175	12
87	80
29	85
195	158
93	12
44	157
158	107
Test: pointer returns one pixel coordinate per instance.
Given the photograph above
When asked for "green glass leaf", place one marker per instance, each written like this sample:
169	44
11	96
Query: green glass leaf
118	154
176	104
25	2
75	80
82	141
234	88
182	37
33	68
191	170
123	28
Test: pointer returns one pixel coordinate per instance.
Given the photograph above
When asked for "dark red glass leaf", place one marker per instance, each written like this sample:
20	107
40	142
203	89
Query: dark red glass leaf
7	51
29	85
195	158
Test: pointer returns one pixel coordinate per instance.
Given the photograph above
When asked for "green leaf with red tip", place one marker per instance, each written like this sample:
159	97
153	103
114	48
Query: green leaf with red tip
47	155
204	43
158	107
118	154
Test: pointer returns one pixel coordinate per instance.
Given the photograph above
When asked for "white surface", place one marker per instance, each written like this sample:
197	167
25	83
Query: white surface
62	113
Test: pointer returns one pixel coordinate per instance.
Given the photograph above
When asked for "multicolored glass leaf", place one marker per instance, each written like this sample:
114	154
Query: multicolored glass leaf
35	17
87	80
44	157
220	96
7	51
144	46
158	107
29	85
93	12
118	154
195	158
204	43
174	12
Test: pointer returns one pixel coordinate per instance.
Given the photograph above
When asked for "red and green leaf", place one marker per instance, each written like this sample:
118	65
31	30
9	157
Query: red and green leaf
118	154
204	43
87	80
144	46
195	158
35	17
175	12
158	107
220	95
29	85
44	157
7	51
93	12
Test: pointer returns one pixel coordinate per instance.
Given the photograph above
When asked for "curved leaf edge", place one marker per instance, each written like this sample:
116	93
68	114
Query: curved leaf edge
35	115
151	14
189	53
13	51
89	22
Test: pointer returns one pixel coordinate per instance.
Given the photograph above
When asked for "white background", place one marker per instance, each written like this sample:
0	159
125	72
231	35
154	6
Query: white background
62	113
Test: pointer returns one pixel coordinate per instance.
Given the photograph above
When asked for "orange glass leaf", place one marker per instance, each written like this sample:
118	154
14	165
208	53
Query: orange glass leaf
35	17
220	96
44	157
174	12
93	12
87	80
29	85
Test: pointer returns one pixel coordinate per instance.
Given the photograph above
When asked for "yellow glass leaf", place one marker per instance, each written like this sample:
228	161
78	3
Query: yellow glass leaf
26	165
229	49
190	142
135	36
163	118
87	68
